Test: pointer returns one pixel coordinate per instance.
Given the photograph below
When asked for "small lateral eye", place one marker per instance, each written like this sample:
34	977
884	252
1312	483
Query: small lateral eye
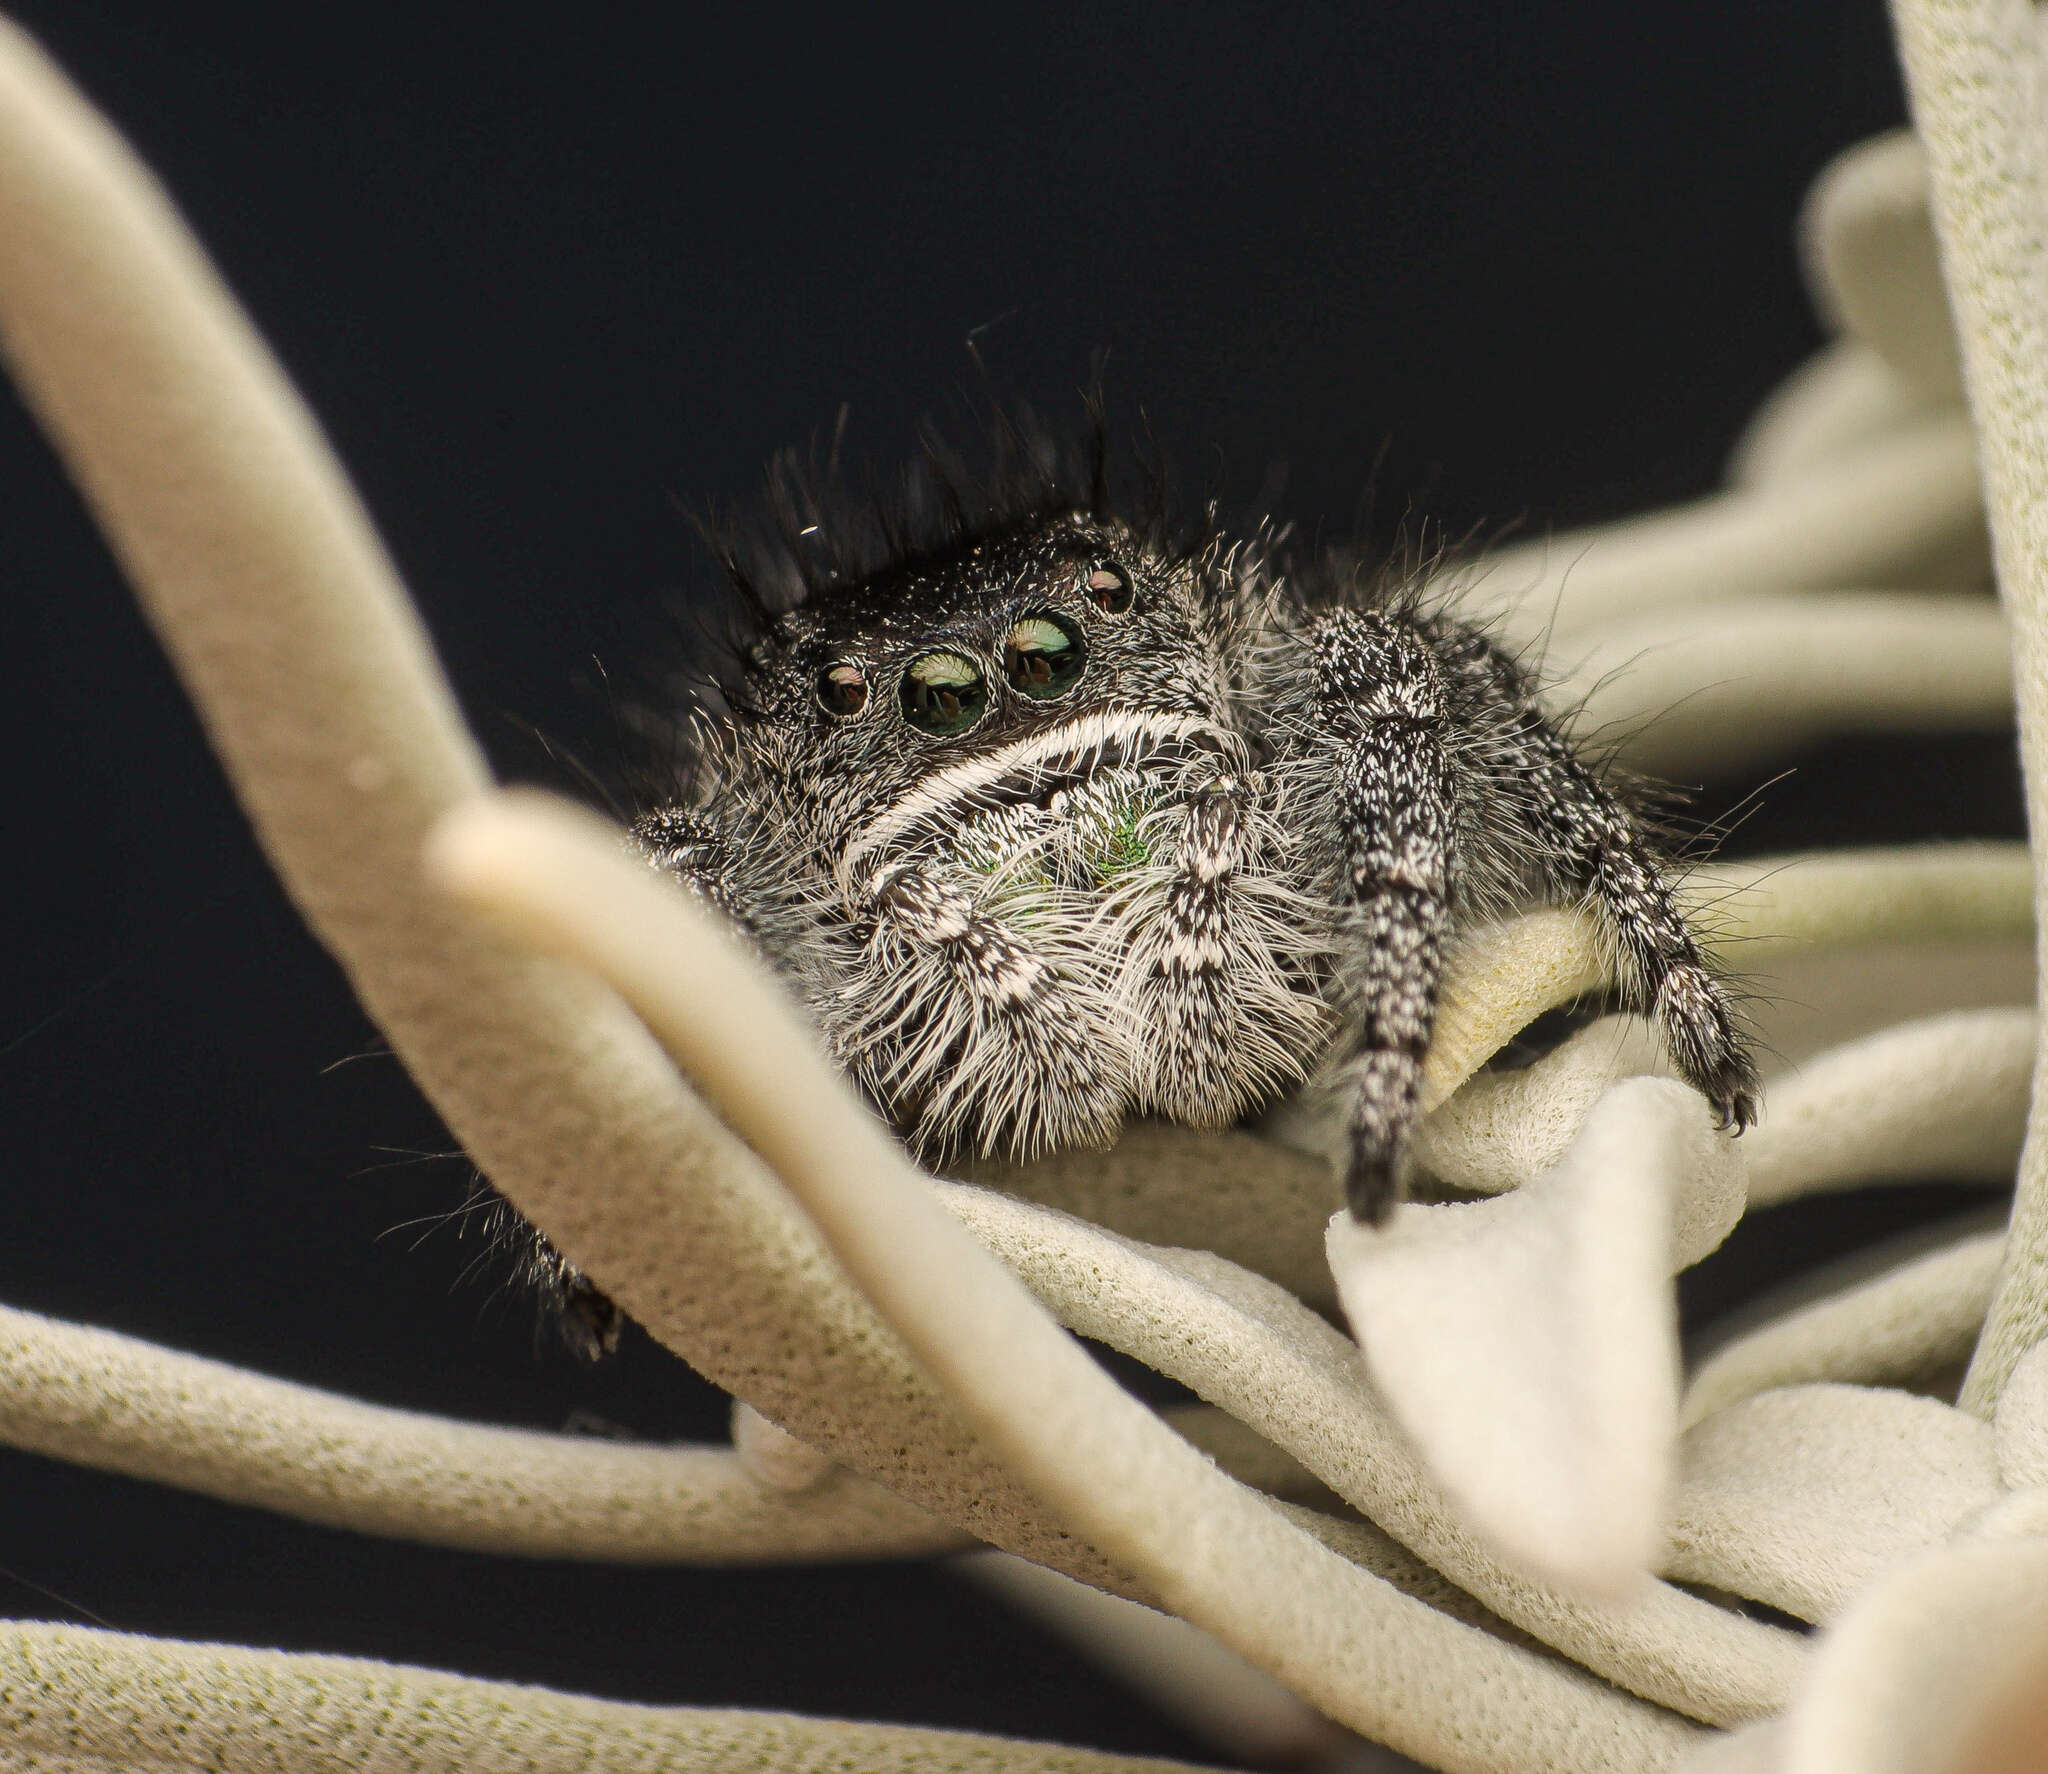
1043	657
943	693
842	689
1110	588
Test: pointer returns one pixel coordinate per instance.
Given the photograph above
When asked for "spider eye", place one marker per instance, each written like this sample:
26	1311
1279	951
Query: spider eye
1043	657
943	693
842	689
1110	588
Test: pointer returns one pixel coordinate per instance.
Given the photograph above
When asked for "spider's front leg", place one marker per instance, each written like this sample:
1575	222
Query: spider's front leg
967	1033
1224	1021
1590	844
1381	710
697	854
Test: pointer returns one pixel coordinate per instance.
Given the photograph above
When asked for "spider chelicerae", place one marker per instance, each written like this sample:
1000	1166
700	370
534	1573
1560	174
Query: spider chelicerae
1051	815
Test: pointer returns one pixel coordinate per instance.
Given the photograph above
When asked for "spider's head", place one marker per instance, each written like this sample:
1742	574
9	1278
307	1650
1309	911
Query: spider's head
1005	677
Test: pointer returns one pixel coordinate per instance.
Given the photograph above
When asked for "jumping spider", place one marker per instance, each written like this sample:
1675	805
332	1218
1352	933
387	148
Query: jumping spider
1049	816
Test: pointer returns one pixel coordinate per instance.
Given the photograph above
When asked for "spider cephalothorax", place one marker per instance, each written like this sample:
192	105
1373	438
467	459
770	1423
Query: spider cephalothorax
1054	820
1001	819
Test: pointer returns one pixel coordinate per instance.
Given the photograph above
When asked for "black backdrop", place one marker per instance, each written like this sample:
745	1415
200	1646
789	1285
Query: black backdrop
544	272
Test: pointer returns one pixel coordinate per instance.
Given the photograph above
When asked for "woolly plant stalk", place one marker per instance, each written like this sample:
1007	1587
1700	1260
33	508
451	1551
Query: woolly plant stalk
1973	71
1395	1668
318	689
82	1701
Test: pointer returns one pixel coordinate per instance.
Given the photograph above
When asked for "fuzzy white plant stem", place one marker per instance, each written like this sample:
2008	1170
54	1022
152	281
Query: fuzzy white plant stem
2022	1423
1233	1338
1873	266
1899	510
80	1393
1973	70
76	1392
1262	1355
1180	1669
1504	977
1688	692
1799	1496
1910	1323
74	1701
1833	404
1379	1661
1944	1097
311	672
1925	1669
1246	1197
1529	1344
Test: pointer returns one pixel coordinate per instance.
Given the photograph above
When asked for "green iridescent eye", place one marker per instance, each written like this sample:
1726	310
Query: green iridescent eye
1043	657
943	693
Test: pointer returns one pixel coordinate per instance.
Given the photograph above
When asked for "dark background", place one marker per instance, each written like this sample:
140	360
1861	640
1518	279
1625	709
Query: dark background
543	274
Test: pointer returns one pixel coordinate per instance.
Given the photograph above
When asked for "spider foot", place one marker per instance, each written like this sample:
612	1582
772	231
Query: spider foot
1705	1045
1375	1180
588	1321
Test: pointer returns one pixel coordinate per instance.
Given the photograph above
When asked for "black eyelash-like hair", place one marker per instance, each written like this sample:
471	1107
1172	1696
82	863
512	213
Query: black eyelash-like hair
816	531
819	528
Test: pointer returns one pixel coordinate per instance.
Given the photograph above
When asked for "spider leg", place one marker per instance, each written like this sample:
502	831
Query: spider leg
1381	711
1589	843
585	1316
1216	989
961	1027
685	845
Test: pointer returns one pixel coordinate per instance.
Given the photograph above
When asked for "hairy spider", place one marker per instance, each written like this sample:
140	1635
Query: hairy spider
1050	815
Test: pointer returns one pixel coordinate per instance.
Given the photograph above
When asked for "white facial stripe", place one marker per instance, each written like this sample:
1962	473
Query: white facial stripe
957	786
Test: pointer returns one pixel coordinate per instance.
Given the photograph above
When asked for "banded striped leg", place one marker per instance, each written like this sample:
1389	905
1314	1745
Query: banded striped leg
1225	1013
1382	704
1592	845
684	845
954	1023
1668	978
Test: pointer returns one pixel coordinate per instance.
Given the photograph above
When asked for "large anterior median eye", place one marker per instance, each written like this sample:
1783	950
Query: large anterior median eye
943	693
1043	657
